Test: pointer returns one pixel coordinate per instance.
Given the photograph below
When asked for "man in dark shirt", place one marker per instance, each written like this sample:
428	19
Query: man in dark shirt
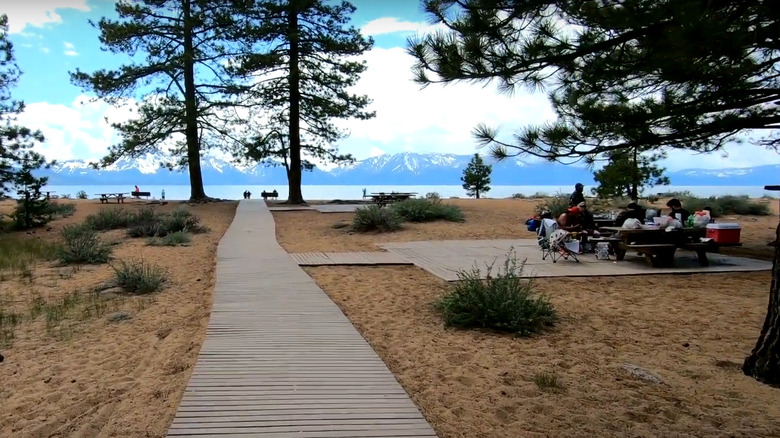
676	208
577	196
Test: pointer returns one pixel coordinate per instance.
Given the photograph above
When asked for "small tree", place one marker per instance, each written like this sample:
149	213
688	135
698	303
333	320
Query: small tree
17	159
476	177
627	173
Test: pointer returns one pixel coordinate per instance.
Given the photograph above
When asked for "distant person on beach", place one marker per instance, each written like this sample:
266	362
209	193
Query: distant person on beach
577	196
364	193
163	194
248	194
137	189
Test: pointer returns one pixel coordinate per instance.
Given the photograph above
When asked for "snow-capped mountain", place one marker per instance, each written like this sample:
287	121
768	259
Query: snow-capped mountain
401	169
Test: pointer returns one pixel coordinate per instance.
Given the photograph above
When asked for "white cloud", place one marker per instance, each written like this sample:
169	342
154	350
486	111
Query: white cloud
434	119
75	131
38	13
71	53
735	155
68	45
387	25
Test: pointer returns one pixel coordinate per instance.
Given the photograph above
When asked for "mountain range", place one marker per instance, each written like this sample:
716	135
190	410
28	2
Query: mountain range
406	168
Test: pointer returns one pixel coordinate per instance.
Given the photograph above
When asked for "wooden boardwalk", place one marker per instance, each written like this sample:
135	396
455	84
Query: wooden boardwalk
280	359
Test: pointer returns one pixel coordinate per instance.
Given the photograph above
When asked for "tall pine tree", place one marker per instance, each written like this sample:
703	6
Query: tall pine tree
186	91
300	56
18	160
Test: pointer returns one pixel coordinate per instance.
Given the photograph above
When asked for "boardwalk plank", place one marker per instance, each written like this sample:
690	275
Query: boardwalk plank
280	358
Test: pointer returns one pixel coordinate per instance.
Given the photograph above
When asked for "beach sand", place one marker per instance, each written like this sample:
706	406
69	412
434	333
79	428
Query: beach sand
692	331
88	377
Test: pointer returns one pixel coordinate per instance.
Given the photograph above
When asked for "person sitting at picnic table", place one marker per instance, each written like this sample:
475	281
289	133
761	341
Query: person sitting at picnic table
676	208
586	219
577	196
632	211
570	220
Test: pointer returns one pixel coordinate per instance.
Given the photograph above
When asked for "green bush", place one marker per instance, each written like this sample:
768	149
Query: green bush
373	218
81	245
722	205
82	194
426	210
150	228
177	238
504	301
556	205
144	216
109	219
139	277
182	219
61	209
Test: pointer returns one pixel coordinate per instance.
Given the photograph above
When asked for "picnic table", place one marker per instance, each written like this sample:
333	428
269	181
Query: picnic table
120	197
658	245
382	199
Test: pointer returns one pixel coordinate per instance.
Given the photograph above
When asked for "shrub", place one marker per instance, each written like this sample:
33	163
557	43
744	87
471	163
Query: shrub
177	238
83	246
139	277
728	204
182	219
373	218
432	195
18	252
519	196
556	205
425	210
109	219
505	302
150	228
144	216
81	194
61	209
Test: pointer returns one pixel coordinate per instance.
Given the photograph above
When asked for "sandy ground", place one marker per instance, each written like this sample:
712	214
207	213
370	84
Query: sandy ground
88	377
693	331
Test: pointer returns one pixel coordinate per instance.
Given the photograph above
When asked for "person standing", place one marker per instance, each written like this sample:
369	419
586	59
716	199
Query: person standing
163	194
577	196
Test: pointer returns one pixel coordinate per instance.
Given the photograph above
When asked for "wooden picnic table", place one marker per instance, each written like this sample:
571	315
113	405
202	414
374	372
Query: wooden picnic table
659	245
120	197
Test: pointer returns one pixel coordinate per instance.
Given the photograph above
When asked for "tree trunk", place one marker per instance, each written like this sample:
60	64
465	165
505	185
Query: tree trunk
294	196
635	179
764	361
191	110
476	192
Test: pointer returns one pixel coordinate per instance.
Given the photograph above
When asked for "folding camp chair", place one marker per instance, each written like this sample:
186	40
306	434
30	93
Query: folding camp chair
556	243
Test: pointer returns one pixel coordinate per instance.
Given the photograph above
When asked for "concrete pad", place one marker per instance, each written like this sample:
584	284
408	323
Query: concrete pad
338	208
445	258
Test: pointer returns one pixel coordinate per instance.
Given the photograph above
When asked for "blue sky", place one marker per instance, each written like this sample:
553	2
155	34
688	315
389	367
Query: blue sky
53	37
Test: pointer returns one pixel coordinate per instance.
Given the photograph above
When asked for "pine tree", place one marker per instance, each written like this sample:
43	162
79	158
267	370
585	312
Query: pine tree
684	74
302	72
18	161
627	173
476	177
186	90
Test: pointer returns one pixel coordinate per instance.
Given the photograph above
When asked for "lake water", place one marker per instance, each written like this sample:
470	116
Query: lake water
312	192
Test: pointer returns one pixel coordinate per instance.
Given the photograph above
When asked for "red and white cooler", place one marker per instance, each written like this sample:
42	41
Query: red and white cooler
724	233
